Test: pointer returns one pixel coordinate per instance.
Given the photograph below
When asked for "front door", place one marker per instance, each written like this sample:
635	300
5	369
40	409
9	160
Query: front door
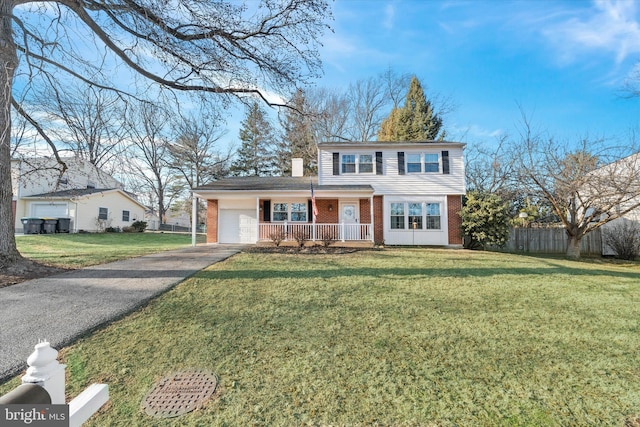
349	218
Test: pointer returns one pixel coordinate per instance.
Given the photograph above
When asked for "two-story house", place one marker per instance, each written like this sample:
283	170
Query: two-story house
378	192
90	198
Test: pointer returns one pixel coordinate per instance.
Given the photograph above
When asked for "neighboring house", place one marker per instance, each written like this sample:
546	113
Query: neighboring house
375	192
89	197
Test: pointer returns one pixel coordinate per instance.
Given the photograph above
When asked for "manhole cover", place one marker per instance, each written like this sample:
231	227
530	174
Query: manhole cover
180	393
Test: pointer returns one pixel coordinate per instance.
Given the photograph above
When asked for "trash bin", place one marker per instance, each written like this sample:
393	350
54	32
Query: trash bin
63	225
32	225
50	225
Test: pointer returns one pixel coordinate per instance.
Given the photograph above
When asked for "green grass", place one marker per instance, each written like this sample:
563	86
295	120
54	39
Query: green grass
397	337
82	250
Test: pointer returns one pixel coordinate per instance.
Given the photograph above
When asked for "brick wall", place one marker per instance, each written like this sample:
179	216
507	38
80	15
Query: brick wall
212	221
365	211
378	219
326	216
454	204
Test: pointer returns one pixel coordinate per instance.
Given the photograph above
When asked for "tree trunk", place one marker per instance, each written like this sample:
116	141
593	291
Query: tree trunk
8	62
573	249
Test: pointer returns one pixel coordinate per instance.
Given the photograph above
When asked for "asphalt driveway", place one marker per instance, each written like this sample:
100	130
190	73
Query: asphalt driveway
64	307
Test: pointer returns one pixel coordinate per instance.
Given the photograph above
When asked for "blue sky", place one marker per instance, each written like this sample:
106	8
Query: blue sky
564	63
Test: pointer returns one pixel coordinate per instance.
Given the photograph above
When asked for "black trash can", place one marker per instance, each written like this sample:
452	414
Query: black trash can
64	225
32	225
49	226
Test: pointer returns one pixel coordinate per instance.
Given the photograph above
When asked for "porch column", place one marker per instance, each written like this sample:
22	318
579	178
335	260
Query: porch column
372	229
194	218
258	218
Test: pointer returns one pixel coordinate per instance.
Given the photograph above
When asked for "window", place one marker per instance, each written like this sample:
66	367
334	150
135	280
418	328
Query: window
397	216
299	212
357	163
125	216
431	163
280	212
415	216
433	216
348	163
415	163
366	163
103	213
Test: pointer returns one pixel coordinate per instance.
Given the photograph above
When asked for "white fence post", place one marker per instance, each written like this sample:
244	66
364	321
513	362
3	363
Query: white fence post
45	370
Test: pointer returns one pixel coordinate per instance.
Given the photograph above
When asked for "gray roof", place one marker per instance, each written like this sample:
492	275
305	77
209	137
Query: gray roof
281	183
390	144
75	192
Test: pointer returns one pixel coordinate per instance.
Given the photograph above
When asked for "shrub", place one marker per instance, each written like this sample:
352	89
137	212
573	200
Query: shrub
139	226
485	220
624	239
300	235
129	230
277	236
328	237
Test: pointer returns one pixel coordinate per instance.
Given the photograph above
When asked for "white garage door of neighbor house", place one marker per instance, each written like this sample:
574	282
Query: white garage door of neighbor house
237	226
49	210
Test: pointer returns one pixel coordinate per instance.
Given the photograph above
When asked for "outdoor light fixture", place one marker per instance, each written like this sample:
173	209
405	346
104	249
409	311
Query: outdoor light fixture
330	208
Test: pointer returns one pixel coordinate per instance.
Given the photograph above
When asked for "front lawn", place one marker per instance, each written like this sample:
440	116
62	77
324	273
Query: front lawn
398	337
79	250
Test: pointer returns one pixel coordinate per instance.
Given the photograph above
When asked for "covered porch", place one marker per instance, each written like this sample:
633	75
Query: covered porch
286	210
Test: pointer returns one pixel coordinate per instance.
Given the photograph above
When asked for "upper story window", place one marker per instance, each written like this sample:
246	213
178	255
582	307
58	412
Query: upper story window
423	163
357	163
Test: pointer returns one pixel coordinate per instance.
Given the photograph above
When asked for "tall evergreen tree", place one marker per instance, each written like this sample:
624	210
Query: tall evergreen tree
298	140
256	155
415	121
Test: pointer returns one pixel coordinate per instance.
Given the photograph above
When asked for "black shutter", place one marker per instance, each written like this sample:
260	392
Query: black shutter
336	163
266	211
309	211
445	163
379	170
400	162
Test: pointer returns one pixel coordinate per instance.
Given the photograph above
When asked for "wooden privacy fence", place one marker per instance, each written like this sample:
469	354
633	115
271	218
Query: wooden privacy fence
550	240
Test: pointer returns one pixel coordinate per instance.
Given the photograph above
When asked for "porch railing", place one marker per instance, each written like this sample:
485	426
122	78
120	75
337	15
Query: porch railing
315	232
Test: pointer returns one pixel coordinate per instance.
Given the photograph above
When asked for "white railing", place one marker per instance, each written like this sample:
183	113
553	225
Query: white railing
315	232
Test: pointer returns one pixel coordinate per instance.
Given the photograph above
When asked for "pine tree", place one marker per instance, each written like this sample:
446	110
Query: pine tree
415	121
255	157
298	140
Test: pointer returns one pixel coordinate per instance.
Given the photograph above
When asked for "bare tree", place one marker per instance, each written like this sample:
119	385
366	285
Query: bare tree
195	153
587	184
90	122
197	46
149	157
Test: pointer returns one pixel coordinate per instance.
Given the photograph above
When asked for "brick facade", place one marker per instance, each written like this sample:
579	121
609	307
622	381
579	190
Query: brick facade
212	221
325	215
378	218
454	204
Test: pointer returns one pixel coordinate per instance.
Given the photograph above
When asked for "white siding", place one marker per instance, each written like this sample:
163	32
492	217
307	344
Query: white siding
39	176
391	182
416	237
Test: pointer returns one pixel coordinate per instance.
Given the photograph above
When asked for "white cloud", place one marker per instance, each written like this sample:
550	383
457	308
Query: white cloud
610	26
389	16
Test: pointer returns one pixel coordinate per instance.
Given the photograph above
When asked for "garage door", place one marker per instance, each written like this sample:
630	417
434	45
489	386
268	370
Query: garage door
49	210
237	226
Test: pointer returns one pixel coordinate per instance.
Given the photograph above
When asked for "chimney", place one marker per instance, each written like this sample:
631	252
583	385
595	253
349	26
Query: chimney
297	167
